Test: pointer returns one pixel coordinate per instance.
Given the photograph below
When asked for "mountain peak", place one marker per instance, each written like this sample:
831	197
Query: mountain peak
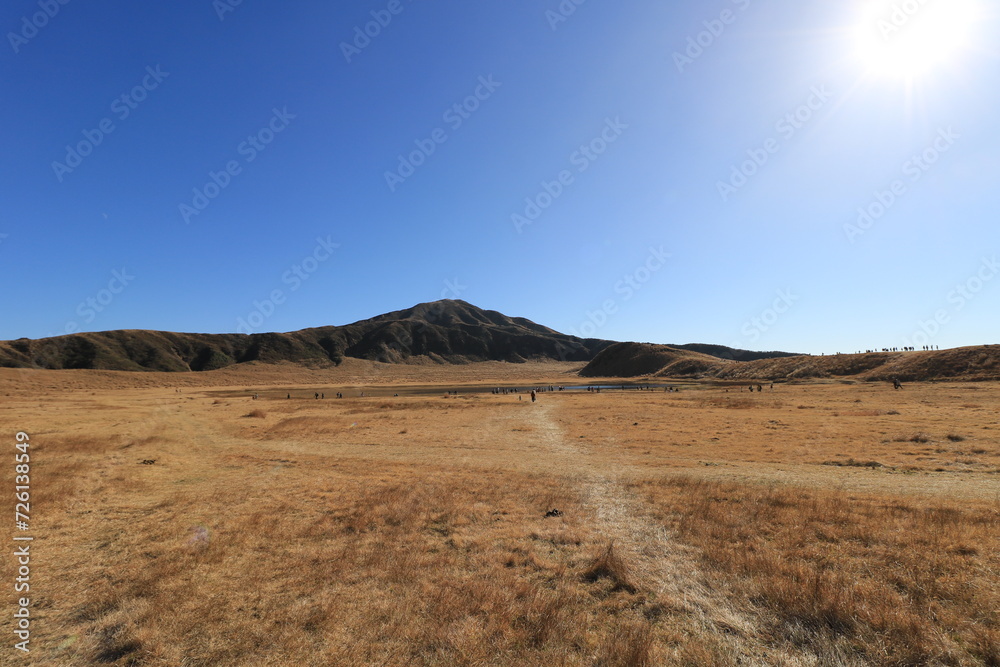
456	312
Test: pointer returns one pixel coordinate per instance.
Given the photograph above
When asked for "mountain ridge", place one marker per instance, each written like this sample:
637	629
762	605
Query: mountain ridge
457	332
448	332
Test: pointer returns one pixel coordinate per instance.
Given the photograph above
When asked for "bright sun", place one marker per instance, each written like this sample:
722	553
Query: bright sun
909	38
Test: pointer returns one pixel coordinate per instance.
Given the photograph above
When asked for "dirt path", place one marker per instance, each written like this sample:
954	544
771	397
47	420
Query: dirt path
660	564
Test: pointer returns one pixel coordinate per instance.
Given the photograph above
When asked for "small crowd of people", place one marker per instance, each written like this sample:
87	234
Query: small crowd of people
758	388
317	395
925	348
503	391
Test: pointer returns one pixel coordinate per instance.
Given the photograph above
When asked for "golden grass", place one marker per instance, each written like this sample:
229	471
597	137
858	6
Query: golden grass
418	566
867	578
699	528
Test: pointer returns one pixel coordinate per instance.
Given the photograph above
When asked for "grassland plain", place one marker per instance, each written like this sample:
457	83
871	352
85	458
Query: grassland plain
818	524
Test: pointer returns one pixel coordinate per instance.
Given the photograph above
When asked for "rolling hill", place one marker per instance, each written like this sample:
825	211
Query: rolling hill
646	360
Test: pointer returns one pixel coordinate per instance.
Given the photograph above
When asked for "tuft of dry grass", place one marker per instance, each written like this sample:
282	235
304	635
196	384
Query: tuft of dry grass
629	644
730	403
851	463
611	565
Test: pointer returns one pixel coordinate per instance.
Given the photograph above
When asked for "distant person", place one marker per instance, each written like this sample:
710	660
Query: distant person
533	396
896	384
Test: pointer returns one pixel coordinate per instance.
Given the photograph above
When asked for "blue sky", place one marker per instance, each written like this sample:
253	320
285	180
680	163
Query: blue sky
603	173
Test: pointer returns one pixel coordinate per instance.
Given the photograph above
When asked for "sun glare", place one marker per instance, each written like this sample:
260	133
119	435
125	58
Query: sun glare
910	38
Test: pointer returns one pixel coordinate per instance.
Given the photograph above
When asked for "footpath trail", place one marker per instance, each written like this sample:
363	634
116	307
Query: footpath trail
660	563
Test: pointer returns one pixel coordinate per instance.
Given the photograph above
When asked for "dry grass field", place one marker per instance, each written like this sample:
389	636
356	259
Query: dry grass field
815	524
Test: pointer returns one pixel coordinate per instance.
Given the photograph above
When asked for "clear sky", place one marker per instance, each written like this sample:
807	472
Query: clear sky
670	172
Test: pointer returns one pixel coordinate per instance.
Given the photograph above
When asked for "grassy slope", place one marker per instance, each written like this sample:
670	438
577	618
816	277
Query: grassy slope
645	360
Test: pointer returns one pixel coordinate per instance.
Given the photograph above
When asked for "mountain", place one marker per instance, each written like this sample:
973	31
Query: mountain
456	332
444	332
646	360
